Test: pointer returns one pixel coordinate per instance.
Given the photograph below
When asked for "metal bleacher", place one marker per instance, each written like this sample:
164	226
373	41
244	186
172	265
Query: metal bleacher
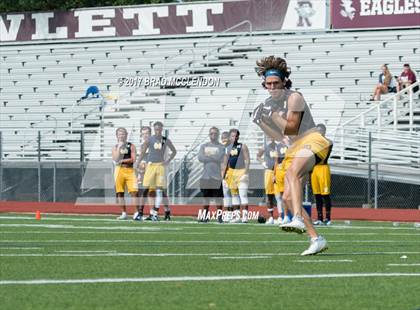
41	85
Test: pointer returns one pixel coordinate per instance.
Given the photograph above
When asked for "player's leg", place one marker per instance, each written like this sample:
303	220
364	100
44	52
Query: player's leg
121	203
204	186
166	205
325	191
132	187
327	200
243	184
300	166
119	191
302	163
318	201
138	216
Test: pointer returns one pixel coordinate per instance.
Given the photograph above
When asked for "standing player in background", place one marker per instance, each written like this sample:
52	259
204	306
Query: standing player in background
124	156
227	196
155	177
267	156
235	169
145	133
308	146
321	185
211	154
280	173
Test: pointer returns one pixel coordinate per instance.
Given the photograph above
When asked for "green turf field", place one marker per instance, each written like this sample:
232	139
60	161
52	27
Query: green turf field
86	262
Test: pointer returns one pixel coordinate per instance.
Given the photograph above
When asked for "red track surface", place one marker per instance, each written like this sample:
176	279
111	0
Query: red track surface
192	210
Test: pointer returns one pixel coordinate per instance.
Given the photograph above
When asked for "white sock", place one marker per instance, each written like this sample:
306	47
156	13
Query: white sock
279	204
245	215
158	198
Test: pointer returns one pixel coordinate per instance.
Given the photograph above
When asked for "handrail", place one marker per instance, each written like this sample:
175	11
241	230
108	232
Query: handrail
226	30
206	56
394	97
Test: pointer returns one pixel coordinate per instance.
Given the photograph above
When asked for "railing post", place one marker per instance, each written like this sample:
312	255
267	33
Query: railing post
1	165
395	113
369	167
410	95
173	181
54	181
376	185
362	120
82	146
378	120
342	143
39	166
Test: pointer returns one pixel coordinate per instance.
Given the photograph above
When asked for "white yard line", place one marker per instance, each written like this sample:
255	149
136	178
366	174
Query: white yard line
141	228
207	278
201	241
197	225
179	232
20	248
324	261
239	257
413	264
114	253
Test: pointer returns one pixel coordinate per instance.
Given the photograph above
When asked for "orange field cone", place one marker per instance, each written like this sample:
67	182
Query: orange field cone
38	215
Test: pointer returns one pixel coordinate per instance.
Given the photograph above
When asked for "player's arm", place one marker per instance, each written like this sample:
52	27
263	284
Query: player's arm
224	166
116	154
132	159
202	158
143	150
173	152
247	158
290	124
260	154
277	135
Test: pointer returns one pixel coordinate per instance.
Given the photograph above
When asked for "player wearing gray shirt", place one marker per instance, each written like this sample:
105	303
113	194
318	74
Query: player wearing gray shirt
211	154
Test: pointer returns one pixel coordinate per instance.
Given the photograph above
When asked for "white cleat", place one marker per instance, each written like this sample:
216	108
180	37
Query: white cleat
328	223
270	221
122	217
318	245
135	215
285	220
318	223
235	220
296	225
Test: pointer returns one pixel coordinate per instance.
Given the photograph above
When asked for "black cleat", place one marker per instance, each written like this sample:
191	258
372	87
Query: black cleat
167	216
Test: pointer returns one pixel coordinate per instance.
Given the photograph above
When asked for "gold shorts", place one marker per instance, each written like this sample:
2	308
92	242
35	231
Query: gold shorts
321	180
154	176
233	177
269	182
314	142
125	176
280	173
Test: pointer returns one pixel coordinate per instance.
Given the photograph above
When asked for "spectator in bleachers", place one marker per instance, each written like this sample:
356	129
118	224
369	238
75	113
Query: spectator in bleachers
406	78
92	91
387	84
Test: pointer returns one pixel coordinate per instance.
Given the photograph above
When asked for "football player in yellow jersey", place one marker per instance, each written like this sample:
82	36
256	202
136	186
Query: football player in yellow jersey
124	156
321	185
285	113
267	156
235	172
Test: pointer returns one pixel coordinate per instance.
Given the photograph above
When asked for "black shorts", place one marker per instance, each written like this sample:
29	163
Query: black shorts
211	188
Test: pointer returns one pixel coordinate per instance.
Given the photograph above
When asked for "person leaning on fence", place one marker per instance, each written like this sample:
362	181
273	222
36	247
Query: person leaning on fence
406	78
386	84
